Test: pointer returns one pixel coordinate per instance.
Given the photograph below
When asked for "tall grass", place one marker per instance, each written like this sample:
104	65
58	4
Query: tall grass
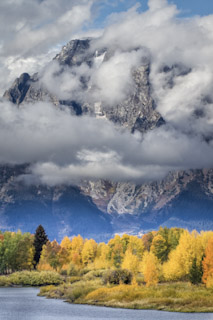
31	278
172	297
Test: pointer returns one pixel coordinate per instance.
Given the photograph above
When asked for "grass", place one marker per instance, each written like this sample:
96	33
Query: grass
74	293
89	288
179	297
31	278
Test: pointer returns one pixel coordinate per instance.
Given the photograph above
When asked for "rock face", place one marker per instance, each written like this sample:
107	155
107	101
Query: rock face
137	112
182	199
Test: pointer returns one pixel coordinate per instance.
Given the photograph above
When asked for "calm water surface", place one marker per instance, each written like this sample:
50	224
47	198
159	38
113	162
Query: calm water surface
23	304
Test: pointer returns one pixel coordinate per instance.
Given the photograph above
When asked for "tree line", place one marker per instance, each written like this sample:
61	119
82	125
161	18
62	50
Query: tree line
165	255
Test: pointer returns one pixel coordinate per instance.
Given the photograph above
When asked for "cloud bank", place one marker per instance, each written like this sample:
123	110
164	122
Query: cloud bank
63	148
32	31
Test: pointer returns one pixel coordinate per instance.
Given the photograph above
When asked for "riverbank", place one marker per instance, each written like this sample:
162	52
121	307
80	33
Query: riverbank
176	297
90	289
30	278
23	303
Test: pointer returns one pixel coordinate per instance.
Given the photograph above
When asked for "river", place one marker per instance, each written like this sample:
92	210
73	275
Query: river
23	304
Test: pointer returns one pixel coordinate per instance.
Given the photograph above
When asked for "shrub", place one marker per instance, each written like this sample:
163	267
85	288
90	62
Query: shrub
94	274
84	271
31	278
4	281
74	279
63	272
117	276
72	270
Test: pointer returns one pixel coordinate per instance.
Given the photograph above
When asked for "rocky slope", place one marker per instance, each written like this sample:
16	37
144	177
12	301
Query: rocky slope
181	199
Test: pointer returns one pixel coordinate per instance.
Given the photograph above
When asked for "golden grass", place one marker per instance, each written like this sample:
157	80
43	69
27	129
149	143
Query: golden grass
89	289
171	297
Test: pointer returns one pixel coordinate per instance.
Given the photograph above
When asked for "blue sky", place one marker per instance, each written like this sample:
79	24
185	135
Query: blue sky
188	8
194	7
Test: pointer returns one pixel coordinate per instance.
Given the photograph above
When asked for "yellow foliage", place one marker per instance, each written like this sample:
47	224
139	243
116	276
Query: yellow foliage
208	264
66	243
44	267
209	282
131	262
136	246
77	247
158	245
150	269
116	251
180	260
89	251
77	244
102	257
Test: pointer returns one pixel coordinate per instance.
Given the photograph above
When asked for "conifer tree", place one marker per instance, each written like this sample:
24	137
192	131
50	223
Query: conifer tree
40	239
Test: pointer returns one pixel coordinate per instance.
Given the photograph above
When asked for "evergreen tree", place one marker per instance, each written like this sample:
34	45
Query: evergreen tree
40	239
196	272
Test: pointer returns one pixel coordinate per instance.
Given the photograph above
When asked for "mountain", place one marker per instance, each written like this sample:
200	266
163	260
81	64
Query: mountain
100	208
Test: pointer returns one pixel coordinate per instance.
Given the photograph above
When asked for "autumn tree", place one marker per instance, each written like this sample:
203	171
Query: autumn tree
150	269
54	255
77	247
125	241
102	260
89	251
131	262
116	253
164	241
181	259
160	248
147	240
136	246
208	264
66	244
40	239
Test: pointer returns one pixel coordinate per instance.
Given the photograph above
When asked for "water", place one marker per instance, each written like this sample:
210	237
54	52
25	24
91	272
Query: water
23	304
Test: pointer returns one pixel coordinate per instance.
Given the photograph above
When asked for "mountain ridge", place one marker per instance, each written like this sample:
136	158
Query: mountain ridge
125	206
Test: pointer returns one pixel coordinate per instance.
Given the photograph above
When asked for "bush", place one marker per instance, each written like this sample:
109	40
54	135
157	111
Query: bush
72	270
94	274
74	279
117	277
140	279
84	271
4	281
31	278
63	272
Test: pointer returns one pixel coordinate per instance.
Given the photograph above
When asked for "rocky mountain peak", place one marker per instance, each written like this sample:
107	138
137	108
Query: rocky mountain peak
74	53
125	206
17	92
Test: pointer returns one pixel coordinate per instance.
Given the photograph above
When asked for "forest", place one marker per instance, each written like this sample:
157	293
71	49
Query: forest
128	271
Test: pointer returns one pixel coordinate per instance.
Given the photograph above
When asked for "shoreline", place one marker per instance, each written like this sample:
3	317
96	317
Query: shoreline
126	307
142	304
161	303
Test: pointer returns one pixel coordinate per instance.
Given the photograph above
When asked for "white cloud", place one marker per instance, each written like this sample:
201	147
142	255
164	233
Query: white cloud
65	149
31	31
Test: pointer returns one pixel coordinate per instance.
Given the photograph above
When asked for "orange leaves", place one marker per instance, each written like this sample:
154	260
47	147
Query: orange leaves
208	264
